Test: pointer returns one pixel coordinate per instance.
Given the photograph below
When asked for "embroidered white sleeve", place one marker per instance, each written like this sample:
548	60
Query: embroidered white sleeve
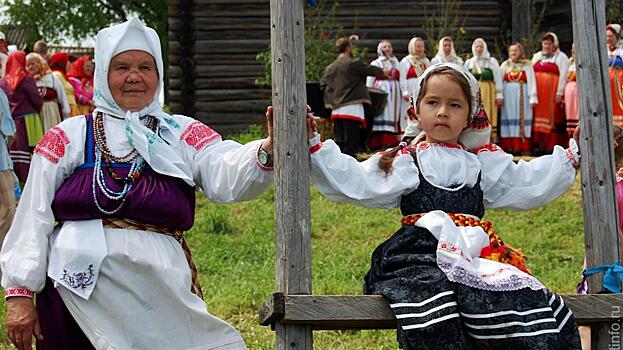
24	255
524	185
341	178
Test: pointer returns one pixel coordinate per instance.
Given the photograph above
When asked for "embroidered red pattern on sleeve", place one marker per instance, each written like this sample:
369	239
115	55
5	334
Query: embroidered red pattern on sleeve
52	145
490	147
198	135
17	292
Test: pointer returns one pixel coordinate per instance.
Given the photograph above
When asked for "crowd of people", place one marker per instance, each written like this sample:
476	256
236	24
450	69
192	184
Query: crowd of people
532	104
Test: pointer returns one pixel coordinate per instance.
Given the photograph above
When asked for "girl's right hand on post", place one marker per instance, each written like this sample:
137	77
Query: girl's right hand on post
22	322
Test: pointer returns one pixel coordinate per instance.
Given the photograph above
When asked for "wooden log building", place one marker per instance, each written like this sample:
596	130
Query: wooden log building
213	44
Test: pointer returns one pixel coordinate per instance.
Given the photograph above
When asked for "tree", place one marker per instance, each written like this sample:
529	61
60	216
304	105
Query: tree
52	20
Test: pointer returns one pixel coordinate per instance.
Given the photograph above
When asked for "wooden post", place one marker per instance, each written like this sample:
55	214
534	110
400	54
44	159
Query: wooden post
293	241
600	220
521	20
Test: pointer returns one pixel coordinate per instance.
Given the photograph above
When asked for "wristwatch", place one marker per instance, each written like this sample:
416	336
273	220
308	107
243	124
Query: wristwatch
264	158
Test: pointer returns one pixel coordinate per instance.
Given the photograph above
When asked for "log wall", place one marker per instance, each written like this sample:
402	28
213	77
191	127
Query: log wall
213	44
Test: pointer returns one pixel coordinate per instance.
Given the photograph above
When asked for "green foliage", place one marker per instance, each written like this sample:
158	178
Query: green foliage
233	247
52	20
321	32
445	19
613	11
254	132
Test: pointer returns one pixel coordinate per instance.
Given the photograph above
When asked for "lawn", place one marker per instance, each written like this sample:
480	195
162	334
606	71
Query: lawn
233	247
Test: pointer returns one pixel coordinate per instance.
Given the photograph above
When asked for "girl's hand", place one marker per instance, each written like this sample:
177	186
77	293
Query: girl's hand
22	322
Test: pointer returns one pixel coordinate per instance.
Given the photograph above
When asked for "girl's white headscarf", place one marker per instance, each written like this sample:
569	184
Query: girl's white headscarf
160	151
476	134
485	50
441	56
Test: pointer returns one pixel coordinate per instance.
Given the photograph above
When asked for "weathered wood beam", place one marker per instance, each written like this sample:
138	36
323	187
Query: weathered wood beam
373	312
600	211
292	208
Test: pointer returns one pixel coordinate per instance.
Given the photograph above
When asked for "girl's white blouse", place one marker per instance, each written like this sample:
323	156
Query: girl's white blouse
521	185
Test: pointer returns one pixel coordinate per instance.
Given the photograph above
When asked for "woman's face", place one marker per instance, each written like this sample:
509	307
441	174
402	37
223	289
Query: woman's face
610	38
88	68
447	47
386	46
420	48
32	67
514	53
547	46
133	79
479	48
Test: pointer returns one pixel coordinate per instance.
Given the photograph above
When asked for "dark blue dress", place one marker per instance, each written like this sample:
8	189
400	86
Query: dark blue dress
436	313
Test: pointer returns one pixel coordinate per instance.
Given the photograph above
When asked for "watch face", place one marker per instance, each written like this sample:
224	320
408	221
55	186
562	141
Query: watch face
262	157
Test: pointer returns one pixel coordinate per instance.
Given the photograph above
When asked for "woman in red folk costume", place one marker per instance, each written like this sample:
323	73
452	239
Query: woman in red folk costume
26	104
58	64
386	130
81	78
550	70
411	67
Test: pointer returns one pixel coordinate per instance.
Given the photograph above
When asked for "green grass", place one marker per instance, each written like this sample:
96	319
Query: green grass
233	247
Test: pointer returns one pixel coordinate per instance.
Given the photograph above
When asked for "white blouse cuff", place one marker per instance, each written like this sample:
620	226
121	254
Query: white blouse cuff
314	143
573	154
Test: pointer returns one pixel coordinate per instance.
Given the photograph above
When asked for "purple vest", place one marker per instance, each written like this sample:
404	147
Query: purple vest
154	199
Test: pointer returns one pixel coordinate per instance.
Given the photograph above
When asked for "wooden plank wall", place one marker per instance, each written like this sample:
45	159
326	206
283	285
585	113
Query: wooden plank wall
227	35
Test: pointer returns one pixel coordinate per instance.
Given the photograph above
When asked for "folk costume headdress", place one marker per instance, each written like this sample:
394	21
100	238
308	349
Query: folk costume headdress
16	69
159	149
478	130
441	56
58	63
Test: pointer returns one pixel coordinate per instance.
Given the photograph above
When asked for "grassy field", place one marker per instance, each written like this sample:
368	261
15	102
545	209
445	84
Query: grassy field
233	247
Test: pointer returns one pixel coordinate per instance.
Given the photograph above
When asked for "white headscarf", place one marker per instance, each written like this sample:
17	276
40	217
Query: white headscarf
441	56
160	151
485	51
411	48
380	52
477	133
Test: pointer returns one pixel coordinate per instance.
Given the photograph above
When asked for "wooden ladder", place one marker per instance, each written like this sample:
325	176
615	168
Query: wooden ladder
293	312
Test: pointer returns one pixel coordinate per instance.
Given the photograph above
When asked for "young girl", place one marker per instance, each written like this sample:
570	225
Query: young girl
451	282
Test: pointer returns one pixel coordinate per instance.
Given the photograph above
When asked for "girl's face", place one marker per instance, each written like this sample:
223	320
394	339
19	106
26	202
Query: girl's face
447	47
419	48
443	110
32	67
387	48
479	48
514	53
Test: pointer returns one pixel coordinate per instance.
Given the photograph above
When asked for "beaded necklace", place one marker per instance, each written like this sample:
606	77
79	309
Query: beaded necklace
102	151
453	189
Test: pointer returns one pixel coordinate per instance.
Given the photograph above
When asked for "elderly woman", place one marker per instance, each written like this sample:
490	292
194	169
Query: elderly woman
113	274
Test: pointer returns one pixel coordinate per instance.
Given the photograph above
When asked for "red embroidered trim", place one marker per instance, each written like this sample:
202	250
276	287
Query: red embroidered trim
198	135
315	148
490	147
52	145
356	118
17	292
426	145
571	158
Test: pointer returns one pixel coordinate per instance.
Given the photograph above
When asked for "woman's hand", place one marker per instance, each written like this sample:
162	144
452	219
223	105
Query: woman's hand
576	135
312	125
267	144
499	101
22	322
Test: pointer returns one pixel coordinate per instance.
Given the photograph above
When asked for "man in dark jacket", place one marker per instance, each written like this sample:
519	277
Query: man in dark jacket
345	92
